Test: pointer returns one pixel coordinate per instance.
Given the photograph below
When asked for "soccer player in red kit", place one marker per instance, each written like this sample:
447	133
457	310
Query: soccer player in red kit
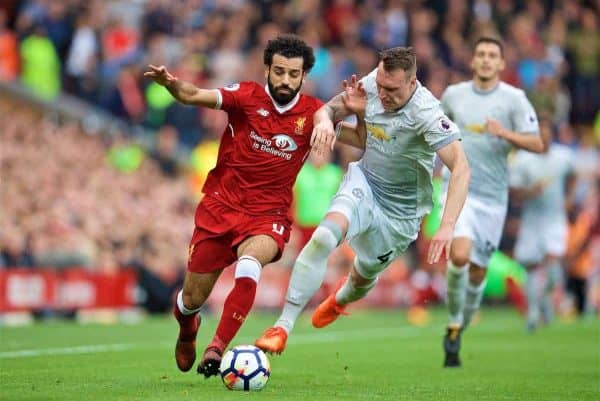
244	216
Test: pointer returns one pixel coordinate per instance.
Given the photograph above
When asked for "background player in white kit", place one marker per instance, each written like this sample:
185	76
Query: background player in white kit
493	118
379	205
544	184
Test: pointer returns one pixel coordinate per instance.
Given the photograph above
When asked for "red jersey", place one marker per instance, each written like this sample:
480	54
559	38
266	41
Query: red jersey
261	151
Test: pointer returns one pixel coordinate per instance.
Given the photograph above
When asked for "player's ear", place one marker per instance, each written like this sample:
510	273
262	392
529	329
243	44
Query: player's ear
502	65
267	68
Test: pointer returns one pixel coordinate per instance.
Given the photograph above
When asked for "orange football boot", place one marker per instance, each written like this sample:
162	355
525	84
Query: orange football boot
272	340
329	310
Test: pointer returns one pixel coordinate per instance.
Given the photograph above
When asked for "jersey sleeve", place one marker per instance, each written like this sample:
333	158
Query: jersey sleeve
369	84
232	97
438	129
524	118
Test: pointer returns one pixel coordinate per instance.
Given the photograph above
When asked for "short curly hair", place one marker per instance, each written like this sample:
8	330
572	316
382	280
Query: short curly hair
290	46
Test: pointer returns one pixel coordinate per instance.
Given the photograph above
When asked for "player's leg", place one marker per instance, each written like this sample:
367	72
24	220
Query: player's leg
375	249
555	244
307	277
310	267
253	253
554	279
349	214
474	293
350	288
456	279
533	294
207	258
529	251
196	289
456	294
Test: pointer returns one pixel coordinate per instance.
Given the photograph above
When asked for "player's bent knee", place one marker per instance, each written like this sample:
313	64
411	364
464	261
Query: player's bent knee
327	235
476	274
459	257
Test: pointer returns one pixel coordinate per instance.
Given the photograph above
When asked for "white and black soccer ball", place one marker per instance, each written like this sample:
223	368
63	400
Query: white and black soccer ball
246	368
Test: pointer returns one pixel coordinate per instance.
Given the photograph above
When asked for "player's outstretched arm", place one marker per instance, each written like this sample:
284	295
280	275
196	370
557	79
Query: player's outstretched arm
453	156
532	143
184	92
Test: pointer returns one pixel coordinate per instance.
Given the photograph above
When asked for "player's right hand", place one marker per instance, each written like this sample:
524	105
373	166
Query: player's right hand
160	75
323	137
355	96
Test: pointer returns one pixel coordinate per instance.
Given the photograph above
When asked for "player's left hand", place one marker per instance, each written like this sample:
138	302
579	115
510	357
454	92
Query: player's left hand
494	127
440	244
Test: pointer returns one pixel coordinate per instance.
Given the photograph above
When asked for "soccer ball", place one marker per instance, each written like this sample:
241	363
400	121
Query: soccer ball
245	367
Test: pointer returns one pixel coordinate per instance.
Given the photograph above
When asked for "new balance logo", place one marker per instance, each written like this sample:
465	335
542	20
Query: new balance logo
262	112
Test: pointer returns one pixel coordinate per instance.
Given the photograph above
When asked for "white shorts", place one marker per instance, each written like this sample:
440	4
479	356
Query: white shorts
541	237
375	238
483	224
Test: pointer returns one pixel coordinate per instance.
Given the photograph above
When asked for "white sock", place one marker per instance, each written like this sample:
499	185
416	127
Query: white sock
554	277
531	290
456	283
308	274
181	306
349	292
247	266
472	301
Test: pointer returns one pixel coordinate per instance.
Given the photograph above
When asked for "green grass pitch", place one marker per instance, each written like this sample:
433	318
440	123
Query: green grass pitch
366	356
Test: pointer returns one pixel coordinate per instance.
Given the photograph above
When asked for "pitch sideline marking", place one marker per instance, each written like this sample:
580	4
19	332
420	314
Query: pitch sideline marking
305	338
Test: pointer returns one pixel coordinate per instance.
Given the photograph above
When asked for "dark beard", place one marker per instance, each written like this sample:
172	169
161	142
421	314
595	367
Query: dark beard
282	98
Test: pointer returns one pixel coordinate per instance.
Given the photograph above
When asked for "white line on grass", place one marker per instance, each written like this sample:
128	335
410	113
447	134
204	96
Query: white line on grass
305	338
83	349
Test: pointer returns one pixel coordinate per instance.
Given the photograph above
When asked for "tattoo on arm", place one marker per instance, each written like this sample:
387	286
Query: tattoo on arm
335	108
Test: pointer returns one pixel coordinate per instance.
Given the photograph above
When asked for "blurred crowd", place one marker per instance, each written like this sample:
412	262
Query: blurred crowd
73	199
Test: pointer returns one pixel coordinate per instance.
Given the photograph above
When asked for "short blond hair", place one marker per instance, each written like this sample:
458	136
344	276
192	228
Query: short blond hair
402	58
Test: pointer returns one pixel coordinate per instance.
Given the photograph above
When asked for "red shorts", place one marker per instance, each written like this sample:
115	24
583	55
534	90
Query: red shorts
219	230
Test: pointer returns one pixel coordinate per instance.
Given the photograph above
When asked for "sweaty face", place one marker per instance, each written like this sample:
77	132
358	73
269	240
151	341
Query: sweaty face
394	88
487	61
285	77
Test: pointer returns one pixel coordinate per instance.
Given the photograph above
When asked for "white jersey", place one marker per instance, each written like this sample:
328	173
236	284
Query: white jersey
400	150
487	154
550	169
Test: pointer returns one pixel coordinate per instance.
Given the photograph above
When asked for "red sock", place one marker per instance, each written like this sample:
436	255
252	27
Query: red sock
237	305
188	324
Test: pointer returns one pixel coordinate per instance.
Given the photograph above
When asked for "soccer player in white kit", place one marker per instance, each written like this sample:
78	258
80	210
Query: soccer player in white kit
543	183
383	197
493	118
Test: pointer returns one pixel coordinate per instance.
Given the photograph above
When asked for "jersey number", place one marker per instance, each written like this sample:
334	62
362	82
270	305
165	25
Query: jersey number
278	228
385	257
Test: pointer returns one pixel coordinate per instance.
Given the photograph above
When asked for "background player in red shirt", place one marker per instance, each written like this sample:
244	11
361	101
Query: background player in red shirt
244	215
